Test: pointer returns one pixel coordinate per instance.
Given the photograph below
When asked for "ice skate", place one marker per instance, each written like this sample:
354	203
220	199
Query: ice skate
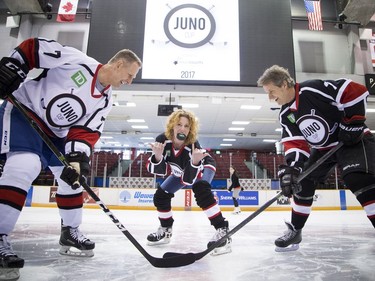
236	211
290	240
225	246
74	243
10	263
161	236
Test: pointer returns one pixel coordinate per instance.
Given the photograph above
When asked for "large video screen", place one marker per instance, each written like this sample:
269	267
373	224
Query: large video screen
197	42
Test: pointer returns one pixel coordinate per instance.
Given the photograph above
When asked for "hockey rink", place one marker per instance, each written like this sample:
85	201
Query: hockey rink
337	245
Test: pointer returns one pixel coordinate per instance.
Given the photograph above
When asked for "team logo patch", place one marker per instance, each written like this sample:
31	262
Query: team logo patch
314	128
65	110
291	118
78	78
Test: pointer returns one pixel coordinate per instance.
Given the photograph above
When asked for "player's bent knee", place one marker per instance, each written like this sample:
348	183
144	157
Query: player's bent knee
162	199
23	163
203	194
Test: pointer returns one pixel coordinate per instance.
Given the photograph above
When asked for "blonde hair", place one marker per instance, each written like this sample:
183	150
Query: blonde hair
173	120
127	55
276	75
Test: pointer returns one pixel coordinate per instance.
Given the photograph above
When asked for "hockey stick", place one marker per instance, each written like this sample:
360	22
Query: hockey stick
200	255
173	261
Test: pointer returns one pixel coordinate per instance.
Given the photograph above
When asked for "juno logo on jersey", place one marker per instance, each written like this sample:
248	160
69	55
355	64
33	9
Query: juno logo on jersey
65	110
78	78
314	128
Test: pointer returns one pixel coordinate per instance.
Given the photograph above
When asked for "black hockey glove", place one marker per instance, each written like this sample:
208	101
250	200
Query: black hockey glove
12	74
288	180
351	130
79	164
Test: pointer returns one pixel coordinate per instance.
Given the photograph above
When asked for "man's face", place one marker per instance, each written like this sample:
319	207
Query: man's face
281	95
124	73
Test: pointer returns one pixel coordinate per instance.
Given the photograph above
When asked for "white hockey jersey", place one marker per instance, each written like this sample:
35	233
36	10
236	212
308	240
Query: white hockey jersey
64	98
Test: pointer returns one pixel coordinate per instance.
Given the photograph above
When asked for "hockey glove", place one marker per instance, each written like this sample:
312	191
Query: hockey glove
288	180
351	130
12	74
79	164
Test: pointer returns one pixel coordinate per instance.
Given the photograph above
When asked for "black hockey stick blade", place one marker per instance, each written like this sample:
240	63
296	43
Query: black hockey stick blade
200	255
308	171
173	261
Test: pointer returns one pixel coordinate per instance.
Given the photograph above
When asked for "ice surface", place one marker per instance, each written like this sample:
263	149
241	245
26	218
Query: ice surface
337	245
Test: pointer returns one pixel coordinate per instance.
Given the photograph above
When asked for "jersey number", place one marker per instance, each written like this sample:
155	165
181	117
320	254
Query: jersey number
56	54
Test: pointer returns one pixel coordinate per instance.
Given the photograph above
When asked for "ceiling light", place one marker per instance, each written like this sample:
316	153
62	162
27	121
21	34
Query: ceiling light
146	138
131	104
225	144
139	127
106	137
136	120
370	110
240	122
251	107
278	129
229	139
236	129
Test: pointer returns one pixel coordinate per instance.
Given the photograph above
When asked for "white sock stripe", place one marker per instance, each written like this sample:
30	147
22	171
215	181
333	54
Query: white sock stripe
301	209
165	215
212	211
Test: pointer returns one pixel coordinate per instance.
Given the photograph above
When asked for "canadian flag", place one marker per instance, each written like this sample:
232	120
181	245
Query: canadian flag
67	11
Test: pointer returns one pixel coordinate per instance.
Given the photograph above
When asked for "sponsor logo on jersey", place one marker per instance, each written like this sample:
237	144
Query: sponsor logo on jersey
291	118
78	78
314	128
65	110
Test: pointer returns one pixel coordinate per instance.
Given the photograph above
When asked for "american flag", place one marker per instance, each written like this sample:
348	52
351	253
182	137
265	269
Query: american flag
314	15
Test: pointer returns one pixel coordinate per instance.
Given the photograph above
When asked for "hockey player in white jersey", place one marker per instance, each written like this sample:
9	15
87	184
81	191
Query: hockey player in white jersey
69	100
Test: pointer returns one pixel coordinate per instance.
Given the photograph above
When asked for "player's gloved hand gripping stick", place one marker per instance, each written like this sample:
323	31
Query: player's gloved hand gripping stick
200	255
173	261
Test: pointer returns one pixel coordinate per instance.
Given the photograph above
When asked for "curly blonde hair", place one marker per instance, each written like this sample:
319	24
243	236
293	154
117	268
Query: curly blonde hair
173	120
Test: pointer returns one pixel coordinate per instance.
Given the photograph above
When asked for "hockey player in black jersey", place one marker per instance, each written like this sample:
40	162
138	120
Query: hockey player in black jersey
189	164
315	116
69	100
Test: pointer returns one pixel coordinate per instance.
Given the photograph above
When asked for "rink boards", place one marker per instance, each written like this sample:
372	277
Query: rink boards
142	199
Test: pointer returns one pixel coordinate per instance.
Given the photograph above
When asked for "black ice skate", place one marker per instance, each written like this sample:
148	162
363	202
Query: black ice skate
161	236
290	240
225	246
10	263
74	243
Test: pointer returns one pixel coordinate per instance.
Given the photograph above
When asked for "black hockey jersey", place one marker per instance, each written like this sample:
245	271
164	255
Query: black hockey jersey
179	162
312	119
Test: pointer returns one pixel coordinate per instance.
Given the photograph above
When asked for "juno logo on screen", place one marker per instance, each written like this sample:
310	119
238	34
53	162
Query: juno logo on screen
189	26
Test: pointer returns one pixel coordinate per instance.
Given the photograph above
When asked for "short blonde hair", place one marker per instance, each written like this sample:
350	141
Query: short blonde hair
173	120
127	55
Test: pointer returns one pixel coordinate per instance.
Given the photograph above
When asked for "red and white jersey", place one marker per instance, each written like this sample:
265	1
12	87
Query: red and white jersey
312	119
64	98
